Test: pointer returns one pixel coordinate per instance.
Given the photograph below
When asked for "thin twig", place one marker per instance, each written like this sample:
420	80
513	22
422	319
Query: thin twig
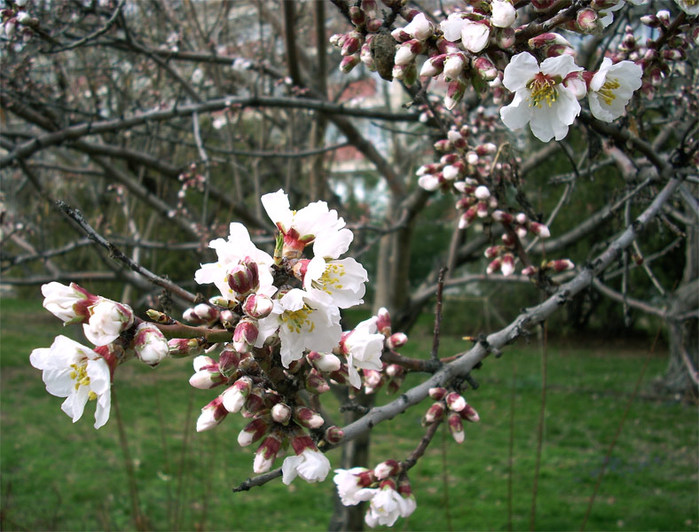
118	255
434	355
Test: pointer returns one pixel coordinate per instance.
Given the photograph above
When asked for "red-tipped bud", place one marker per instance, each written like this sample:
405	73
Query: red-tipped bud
324	363
383	322
455	402
235	396
254	403
315	383
434	66
437	393
244	278
207	374
485	68
493	266
373	380
456	427
468	217
507	266
529	271
245	335
560	265
253	431
308	418
211	415
258	306
470	414
228	360
185	347
434	413
266	453
539	230
397	340
349	62
502	217
351	43
334	435
386	469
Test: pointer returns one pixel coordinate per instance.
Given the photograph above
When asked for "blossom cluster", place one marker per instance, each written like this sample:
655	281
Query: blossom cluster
15	22
386	487
452	406
80	373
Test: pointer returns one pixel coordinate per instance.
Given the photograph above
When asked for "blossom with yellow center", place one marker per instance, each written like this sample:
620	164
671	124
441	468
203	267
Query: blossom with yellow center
612	87
541	99
77	373
336	282
302	323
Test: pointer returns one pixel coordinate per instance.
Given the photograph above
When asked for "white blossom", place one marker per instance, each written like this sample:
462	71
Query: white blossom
230	253
314	223
352	485
691	7
387	506
363	346
108	319
337	282
303	323
150	344
311	465
77	373
541	99
420	28
612	87
68	303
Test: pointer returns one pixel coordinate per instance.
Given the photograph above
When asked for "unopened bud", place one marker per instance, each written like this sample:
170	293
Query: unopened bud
470	414
386	469
434	413
334	435
253	431
245	335
281	413
397	340
433	66
455	402
211	415
266	453
315	383
560	265
308	418
235	396
322	362
383	322
456	427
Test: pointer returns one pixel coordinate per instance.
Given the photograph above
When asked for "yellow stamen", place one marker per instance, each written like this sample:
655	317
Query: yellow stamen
542	88
331	279
607	91
81	378
297	320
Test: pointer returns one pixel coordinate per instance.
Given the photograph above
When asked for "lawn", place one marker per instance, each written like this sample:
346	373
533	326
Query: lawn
56	475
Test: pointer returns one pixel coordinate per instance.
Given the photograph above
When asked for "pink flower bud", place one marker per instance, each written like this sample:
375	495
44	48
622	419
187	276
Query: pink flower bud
266	453
356	15
529	271
348	63
315	383
454	65
560	265
442	146
244	277
351	43
205	313
493	266
308	418
228	360
437	393
334	435
397	340
211	415
456	427
455	91
150	344
539	230
387	469
184	347
281	413
507	267
253	431
254	402
587	21
470	414
468	217
245	335
485	68
434	413
455	402
383	322
373	379
258	306
207	374
434	66
502	217
234	397
324	363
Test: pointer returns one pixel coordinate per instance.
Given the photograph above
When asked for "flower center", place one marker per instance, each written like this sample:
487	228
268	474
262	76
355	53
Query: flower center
607	90
331	279
542	88
81	378
297	320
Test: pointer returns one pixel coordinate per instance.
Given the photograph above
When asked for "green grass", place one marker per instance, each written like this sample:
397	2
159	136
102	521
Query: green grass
57	475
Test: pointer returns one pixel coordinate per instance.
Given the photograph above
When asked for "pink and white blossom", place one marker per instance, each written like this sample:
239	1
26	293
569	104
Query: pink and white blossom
541	100
77	373
149	344
387	506
68	303
353	485
363	347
